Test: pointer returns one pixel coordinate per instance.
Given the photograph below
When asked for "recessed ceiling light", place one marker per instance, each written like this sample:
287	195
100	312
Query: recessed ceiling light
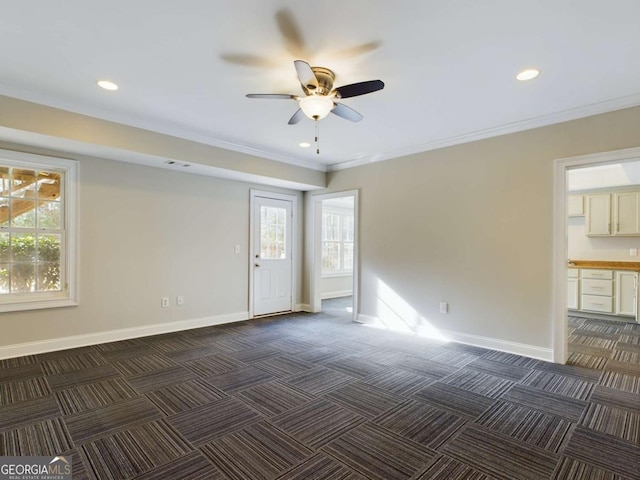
528	74
304	144
107	85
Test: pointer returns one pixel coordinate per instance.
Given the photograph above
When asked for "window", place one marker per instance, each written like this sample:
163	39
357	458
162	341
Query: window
337	241
37	232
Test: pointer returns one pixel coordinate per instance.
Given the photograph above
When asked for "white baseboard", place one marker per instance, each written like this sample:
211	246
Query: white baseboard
336	294
64	343
523	349
303	307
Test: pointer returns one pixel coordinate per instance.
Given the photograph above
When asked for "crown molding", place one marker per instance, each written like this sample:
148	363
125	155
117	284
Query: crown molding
158	127
542	121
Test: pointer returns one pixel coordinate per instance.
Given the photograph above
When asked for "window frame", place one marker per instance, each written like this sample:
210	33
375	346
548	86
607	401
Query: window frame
68	295
342	213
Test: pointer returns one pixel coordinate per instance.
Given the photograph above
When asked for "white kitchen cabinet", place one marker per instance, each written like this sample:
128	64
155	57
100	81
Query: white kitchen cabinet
626	213
597	292
612	214
575	206
626	293
573	293
598	215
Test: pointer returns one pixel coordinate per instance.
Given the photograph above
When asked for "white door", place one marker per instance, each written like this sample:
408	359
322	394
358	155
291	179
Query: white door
272	259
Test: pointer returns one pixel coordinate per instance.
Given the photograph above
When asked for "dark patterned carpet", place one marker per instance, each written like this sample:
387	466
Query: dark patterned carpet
318	397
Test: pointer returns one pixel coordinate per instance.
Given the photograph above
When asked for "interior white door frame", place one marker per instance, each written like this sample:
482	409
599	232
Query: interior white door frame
315	300
295	261
560	240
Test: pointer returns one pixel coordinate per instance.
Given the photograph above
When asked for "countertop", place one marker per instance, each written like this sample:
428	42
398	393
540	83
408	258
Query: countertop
633	266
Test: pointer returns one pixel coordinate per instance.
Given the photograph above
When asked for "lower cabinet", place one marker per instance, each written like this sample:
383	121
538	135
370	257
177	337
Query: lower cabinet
614	292
627	293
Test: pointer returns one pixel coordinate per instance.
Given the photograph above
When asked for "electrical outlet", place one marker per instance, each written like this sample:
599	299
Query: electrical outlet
179	300
237	248
633	252
444	307
164	302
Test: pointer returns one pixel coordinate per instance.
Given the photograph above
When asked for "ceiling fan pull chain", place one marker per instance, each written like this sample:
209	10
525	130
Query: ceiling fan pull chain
317	137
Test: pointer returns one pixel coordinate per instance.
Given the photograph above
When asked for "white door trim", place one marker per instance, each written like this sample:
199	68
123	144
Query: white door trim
294	241
315	300
560	241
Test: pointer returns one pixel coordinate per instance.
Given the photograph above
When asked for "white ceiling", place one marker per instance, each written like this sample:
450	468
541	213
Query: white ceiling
449	66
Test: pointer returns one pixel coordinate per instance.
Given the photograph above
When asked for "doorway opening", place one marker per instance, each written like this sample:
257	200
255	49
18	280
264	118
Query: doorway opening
335	254
593	247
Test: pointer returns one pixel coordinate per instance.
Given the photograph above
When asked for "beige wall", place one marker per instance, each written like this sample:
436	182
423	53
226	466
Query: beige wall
146	233
472	225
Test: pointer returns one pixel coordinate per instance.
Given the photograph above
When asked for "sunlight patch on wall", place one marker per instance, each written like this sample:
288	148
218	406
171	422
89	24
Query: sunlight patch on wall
395	314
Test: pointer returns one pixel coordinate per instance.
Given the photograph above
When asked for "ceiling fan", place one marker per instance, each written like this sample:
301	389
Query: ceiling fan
320	96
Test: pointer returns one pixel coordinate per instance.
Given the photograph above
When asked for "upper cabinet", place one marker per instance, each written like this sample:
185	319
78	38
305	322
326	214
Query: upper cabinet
626	209
575	206
612	214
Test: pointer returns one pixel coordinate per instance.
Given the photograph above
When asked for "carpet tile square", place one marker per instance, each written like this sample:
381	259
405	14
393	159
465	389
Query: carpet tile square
272	453
531	426
147	382
213	420
284	365
96	423
604	451
49	437
400	382
23	390
321	467
364	399
553	383
421	423
63	381
509	371
136	450
147	363
72	363
27	412
319	380
546	402
499	455
460	402
316	423
379	454
184	396
239	379
273	398
213	365
445	468
93	395
478	382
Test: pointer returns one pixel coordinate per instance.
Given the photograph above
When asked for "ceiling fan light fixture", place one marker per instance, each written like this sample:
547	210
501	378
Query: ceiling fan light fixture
316	107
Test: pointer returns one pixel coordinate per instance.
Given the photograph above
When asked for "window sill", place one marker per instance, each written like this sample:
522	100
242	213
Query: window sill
337	275
37	304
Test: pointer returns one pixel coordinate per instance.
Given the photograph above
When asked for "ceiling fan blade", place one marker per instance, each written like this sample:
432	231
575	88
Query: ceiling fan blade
299	115
291	33
273	96
361	88
345	112
306	75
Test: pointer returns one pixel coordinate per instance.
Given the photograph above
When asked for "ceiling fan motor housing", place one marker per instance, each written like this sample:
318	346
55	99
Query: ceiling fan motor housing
325	79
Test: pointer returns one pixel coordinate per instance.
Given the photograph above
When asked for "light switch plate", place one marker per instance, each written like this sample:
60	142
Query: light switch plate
633	252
